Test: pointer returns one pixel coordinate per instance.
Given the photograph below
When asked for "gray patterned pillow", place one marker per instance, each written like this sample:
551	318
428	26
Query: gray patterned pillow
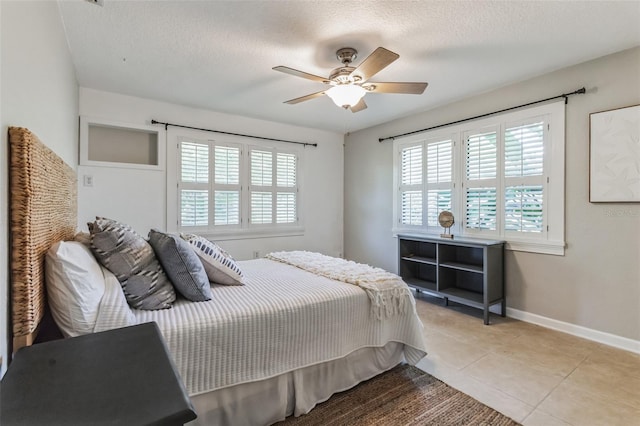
220	266
181	265
131	259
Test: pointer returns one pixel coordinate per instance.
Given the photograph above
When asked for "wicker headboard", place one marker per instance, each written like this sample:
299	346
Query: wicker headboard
43	194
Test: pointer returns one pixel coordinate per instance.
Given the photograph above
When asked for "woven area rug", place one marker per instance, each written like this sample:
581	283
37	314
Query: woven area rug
404	395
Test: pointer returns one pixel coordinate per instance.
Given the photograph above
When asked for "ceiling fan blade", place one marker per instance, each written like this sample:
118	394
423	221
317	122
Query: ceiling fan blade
374	63
302	74
359	106
408	88
304	98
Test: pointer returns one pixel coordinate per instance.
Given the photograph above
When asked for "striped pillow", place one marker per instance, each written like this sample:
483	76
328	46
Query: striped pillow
124	252
221	268
181	265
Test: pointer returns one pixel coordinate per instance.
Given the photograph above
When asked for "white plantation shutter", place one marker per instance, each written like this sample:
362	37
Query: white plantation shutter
287	190
231	188
193	186
412	165
524	177
226	185
411	208
524	150
194	207
273	189
481	151
411	187
261	196
439	179
261	168
203	202
227	207
227	165
502	177
286	207
261	207
438	200
481	208
194	162
480	183
439	162
286	170
523	208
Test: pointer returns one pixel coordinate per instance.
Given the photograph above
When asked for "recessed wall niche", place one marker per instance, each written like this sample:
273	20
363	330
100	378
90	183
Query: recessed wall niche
112	144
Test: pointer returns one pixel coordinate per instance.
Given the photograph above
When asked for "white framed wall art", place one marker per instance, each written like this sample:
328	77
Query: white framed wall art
614	155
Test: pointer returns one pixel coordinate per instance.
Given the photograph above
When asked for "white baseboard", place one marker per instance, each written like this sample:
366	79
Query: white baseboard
577	330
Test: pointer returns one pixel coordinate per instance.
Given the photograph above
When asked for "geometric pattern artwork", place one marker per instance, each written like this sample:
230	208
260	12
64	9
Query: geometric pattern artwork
615	156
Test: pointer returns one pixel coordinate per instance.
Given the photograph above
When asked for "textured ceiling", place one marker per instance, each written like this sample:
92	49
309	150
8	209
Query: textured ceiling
218	55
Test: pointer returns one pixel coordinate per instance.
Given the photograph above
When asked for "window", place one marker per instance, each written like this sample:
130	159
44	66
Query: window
502	177
273	187
436	186
223	190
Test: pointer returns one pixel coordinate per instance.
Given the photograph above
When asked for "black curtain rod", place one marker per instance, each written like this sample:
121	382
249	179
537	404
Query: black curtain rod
231	133
564	95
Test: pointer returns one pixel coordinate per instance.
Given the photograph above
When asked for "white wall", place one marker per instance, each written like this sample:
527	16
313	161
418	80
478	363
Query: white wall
38	91
596	285
137	197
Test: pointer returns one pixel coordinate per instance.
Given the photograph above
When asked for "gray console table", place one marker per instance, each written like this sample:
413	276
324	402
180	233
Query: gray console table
469	271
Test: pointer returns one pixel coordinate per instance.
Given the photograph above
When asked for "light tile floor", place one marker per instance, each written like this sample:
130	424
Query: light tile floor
536	376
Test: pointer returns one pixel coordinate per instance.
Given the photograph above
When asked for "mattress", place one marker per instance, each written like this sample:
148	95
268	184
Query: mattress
282	320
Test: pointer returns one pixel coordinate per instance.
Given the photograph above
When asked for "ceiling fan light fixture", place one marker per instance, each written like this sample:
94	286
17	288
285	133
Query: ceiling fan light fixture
346	95
350	84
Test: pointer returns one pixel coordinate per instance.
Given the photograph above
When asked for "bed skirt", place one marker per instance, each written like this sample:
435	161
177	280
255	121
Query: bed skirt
271	400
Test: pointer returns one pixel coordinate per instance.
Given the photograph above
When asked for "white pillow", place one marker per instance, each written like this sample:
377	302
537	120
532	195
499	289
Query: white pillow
220	267
114	310
75	286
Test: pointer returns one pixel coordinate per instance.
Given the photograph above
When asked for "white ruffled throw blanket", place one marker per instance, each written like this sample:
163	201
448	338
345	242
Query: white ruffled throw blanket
389	295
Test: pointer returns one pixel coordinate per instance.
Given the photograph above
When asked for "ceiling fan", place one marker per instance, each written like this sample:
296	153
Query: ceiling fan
350	84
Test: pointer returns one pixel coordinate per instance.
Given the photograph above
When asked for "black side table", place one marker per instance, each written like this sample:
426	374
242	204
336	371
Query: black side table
117	377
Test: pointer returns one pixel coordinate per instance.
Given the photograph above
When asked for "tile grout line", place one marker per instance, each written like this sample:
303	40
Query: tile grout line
555	387
454	330
495	389
535	407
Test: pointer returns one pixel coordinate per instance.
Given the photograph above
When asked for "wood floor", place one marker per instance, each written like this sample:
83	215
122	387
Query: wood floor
536	376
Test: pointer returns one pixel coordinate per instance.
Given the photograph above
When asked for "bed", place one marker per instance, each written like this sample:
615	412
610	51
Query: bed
253	354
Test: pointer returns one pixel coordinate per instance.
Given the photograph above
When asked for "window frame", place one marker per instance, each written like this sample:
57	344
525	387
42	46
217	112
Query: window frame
244	230
552	239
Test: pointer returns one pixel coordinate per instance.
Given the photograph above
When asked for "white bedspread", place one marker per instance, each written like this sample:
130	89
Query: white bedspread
283	319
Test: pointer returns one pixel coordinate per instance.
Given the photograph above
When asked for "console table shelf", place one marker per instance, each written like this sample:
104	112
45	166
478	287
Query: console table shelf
462	267
419	259
426	285
464	270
